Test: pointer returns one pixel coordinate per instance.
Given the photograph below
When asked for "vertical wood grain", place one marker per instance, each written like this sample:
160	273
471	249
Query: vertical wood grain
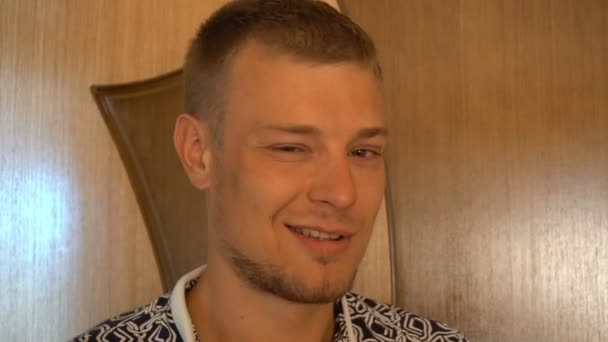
374	276
499	162
73	247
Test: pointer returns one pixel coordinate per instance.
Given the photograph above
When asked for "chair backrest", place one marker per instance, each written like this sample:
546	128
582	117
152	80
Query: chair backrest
141	118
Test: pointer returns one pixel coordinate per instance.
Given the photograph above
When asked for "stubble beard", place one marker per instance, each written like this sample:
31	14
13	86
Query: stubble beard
272	279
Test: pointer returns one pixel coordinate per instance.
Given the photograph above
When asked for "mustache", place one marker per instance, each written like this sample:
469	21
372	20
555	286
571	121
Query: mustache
327	216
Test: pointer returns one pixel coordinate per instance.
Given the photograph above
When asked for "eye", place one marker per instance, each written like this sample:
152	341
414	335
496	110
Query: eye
287	148
289	152
364	153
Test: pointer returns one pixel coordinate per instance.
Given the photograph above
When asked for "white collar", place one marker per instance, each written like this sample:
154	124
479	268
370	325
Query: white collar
182	319
181	316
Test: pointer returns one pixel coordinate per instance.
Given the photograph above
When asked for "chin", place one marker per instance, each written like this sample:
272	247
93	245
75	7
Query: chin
319	286
314	291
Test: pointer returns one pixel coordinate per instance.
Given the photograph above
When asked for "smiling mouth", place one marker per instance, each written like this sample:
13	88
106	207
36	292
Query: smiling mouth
315	234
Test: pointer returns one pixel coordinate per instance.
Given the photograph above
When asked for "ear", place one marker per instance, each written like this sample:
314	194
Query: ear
193	145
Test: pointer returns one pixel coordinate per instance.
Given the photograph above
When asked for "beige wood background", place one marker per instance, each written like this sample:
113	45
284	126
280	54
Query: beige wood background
499	162
73	247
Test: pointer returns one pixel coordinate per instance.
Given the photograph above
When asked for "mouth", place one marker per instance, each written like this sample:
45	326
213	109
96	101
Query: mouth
315	234
321	243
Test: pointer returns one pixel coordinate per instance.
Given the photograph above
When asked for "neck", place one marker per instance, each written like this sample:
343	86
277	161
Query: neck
224	308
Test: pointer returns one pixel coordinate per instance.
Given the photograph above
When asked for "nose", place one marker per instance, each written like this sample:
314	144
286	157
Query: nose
334	184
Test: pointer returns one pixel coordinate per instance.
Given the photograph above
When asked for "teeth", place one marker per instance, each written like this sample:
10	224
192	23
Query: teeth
315	233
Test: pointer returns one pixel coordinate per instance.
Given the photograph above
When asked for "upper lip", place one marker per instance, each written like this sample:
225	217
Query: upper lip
323	229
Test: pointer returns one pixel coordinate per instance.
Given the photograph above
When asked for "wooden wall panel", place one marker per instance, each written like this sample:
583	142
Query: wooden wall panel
498	162
73	247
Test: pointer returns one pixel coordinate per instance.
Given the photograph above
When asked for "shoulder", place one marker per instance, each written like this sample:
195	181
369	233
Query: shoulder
383	322
152	322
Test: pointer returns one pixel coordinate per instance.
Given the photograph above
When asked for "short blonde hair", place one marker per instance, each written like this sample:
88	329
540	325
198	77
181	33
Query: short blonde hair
308	29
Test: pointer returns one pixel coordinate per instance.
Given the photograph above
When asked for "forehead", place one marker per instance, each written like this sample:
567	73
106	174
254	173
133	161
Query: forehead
267	84
256	59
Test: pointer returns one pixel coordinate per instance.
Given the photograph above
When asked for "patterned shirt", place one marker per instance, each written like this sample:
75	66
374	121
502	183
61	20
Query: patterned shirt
357	318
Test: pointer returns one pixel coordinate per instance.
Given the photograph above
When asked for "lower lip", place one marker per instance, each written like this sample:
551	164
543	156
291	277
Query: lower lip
323	247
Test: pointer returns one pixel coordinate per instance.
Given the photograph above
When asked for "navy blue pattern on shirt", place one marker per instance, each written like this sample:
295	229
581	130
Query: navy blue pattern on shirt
371	321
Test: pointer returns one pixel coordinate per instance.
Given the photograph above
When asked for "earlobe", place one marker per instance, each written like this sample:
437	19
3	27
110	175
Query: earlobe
192	144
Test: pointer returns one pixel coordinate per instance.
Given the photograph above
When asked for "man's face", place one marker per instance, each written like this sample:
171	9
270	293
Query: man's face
299	178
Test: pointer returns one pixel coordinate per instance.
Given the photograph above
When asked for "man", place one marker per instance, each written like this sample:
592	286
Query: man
286	132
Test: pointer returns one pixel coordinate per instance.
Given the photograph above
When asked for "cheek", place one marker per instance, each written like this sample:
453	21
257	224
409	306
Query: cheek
273	183
371	187
251	195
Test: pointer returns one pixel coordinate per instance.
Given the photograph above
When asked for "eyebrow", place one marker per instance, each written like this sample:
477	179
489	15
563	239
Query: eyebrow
364	133
371	132
294	129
